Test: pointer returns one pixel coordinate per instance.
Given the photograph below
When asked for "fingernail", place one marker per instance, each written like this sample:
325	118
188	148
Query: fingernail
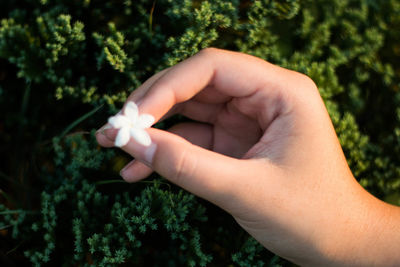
148	154
139	102
102	129
122	172
110	133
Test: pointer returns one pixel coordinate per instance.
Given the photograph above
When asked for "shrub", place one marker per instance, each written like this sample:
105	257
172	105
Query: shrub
65	66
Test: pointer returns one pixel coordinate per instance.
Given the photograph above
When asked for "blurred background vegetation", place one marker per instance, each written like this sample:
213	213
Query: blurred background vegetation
66	65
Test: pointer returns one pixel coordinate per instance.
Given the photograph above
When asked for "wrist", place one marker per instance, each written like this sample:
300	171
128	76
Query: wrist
365	232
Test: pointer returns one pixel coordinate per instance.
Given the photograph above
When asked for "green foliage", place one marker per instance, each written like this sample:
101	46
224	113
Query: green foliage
62	202
11	219
202	25
249	255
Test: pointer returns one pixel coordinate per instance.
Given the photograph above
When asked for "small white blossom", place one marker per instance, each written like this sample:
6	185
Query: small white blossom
130	123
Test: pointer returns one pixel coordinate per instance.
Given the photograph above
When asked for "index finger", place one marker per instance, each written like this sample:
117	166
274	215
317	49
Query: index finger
229	74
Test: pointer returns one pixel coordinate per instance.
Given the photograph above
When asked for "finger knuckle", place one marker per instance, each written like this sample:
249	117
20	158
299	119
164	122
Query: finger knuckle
182	167
307	82
208	51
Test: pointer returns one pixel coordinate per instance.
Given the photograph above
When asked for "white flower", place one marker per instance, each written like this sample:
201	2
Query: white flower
130	123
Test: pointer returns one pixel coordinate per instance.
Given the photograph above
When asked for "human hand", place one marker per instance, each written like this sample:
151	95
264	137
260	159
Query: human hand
263	148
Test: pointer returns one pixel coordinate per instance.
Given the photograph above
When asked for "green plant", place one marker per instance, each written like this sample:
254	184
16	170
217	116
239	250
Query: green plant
65	66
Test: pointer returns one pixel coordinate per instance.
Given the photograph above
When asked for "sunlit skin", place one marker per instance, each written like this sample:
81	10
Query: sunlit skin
263	148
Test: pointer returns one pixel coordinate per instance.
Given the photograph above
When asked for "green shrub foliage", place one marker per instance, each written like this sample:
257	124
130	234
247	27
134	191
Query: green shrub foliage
65	66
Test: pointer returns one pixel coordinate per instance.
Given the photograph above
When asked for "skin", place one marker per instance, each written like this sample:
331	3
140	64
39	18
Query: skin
263	148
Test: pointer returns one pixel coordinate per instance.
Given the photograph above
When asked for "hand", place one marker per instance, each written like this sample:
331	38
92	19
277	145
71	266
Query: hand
263	148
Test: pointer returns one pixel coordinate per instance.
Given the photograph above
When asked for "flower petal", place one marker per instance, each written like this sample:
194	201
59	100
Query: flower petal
118	121
141	136
144	121
122	137
131	111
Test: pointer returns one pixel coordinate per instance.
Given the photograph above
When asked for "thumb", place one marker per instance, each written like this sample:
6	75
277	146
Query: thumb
205	173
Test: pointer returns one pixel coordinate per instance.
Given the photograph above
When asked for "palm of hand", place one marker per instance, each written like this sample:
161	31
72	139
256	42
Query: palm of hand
236	127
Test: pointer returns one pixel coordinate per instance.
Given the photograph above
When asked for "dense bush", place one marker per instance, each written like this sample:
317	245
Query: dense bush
66	65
